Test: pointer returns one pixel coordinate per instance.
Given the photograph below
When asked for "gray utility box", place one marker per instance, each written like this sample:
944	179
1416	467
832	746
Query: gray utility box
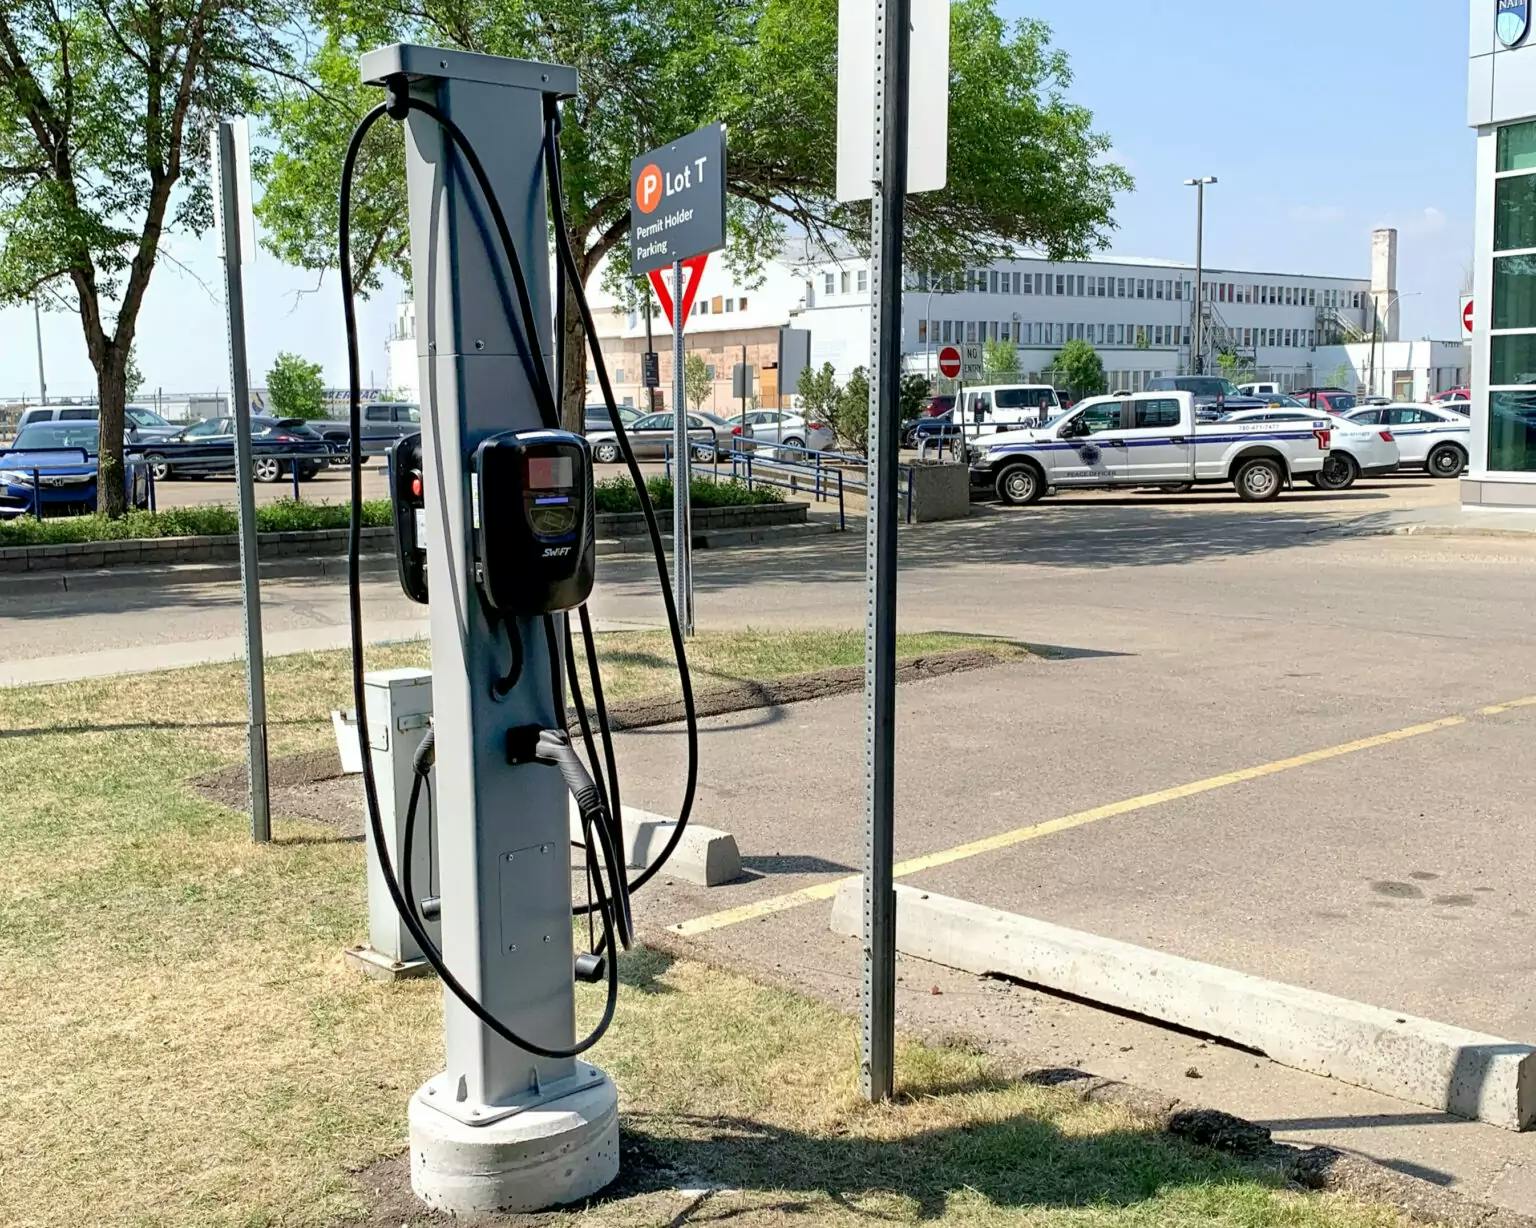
399	715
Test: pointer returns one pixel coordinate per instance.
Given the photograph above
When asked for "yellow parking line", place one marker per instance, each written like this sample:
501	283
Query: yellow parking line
1019	835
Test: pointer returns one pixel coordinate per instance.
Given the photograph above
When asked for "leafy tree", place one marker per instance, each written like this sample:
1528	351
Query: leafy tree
1079	367
133	376
1343	376
1026	167
105	112
916	392
850	417
295	387
1000	357
819	392
697	383
1233	366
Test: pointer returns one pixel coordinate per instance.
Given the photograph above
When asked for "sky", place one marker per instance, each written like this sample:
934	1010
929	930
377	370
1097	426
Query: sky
1321	120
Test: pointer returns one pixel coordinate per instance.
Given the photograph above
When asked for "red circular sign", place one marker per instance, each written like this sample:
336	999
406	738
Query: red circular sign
1466	316
949	362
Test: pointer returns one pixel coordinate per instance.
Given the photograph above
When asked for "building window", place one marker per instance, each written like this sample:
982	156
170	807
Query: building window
703	306
1157	288
1141	287
1061	284
970	331
1512	353
1029	283
922	332
1016	280
863	280
1080	280
995	290
730	304
844	281
829	285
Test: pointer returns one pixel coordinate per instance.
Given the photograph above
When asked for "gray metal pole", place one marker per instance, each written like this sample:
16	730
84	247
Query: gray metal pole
250	580
893	36
37	322
682	529
1199	334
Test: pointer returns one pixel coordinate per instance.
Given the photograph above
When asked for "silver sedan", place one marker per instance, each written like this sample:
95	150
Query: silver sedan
652	437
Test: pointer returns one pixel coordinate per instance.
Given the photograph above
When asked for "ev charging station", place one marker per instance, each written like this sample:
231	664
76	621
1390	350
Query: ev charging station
494	513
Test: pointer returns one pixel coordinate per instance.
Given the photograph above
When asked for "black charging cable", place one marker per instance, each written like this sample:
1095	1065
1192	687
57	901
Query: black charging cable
567	262
398	105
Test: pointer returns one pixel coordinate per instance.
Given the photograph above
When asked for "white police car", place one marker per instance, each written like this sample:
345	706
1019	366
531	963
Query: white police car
1358	449
1436	440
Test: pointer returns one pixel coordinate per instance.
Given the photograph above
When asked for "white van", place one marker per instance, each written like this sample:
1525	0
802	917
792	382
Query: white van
1261	389
995	407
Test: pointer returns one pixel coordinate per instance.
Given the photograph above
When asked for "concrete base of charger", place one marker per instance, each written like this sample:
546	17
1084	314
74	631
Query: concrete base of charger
543	1157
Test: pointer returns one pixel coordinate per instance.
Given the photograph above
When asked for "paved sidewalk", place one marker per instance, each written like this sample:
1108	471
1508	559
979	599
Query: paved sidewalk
1458	521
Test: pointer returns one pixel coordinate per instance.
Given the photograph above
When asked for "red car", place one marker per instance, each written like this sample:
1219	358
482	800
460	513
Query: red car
1330	400
1451	394
939	406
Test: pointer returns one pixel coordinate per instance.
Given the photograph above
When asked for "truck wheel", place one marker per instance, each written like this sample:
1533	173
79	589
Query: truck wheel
1020	485
266	469
1259	481
1339	472
1446	461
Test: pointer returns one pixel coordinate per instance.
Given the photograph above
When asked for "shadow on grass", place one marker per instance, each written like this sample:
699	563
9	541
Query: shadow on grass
70	728
1019	1161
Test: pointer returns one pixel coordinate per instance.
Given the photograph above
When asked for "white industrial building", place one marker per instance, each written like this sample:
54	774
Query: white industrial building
1501	105
1299	329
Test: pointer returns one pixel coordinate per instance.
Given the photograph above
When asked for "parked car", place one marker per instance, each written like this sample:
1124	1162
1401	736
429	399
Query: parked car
926	432
773	426
1451	394
597	418
1151	439
1214	396
1329	400
938	406
384	423
1430	437
1456	407
208	447
1263	388
1357	449
56	463
651	437
140	425
997	407
1279	400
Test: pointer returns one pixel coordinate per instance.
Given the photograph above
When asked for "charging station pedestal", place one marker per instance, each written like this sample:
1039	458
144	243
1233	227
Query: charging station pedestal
500	1128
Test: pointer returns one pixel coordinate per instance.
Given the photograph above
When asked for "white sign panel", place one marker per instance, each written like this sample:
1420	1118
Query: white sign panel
242	132
972	361
927	98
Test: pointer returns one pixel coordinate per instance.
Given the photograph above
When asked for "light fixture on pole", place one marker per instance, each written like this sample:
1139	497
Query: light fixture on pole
1197	338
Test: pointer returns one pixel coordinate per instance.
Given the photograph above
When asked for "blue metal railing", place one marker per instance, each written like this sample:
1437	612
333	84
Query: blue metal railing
762	463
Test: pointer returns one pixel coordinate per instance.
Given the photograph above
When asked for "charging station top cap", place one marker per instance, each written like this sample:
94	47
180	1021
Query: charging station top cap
421	63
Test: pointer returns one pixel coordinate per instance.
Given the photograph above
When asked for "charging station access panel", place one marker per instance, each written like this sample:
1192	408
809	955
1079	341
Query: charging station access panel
535	533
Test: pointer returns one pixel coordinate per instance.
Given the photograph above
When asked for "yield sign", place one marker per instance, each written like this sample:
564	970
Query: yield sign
695	268
949	362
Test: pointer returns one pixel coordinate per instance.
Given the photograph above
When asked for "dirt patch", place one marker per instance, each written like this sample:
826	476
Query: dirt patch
308	786
797	688
312	788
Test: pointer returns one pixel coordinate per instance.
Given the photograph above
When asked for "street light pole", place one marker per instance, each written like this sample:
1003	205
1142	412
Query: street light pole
1197	338
37	322
1370	375
928	326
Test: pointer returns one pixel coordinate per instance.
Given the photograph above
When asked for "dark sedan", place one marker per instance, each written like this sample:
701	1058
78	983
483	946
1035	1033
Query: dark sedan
208	447
52	467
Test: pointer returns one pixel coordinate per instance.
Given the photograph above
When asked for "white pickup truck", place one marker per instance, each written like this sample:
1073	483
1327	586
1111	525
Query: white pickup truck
1150	439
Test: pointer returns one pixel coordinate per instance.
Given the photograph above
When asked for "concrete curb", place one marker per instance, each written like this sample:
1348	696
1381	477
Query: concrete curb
1445	530
1315	1168
1469	1074
705	855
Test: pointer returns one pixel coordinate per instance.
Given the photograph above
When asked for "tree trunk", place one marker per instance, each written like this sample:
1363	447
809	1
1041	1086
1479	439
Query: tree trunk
573	395
112	395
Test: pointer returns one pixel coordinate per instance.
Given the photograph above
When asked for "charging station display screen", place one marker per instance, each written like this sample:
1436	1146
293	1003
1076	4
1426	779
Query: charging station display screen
551	473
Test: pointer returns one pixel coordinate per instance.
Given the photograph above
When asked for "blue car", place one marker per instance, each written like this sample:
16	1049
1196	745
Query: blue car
53	465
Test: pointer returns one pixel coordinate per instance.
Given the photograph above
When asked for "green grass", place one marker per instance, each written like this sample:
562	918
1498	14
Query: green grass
283	516
185	1047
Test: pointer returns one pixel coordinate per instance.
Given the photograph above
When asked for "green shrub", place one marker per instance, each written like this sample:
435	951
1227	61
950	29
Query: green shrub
284	516
618	494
